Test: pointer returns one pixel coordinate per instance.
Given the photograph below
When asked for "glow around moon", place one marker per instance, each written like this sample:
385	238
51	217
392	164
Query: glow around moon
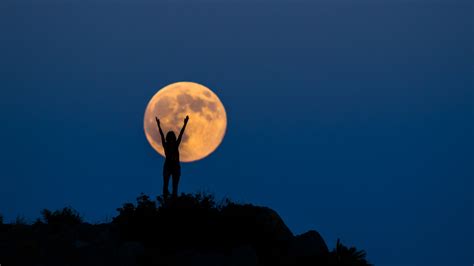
207	119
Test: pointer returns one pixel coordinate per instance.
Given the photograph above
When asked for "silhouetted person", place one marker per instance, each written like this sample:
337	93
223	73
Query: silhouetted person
171	166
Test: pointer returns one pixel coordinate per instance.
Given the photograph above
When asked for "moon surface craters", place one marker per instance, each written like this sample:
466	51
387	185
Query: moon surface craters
207	119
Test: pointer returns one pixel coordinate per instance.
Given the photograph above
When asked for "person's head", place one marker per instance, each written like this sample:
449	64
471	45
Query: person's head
170	137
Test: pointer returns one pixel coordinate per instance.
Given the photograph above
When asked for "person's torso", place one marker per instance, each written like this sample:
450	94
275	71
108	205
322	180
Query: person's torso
171	153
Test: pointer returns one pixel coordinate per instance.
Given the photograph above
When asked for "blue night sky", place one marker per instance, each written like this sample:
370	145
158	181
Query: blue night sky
353	119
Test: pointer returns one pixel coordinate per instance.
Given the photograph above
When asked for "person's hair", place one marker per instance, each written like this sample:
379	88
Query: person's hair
170	137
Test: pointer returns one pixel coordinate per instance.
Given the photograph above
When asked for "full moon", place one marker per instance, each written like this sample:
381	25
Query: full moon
207	119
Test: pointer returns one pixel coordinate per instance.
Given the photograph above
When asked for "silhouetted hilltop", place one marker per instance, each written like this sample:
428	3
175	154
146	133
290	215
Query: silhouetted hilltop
187	230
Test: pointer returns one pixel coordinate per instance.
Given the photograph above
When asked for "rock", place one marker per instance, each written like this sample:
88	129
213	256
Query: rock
272	223
129	251
308	245
80	244
253	224
197	258
261	228
243	256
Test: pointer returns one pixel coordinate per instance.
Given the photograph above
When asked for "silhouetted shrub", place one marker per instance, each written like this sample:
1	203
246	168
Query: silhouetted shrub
38	222
131	215
1	219
64	217
170	220
163	231
20	220
343	255
146	208
189	201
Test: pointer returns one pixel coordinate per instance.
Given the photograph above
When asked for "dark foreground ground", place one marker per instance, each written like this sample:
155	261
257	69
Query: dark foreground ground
189	230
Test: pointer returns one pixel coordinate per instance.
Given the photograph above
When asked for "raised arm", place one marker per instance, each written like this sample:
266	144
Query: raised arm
182	130
161	131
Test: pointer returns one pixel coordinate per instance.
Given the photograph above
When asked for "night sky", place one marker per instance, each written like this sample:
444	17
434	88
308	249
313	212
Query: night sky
353	119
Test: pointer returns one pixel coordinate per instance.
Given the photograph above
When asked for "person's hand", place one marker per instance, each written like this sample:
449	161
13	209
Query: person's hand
186	119
157	121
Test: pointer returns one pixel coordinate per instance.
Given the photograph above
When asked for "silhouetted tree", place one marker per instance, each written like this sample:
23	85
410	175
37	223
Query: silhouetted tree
342	255
1	219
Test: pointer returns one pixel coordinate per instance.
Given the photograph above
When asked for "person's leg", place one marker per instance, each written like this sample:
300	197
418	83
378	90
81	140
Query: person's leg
166	180
176	177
